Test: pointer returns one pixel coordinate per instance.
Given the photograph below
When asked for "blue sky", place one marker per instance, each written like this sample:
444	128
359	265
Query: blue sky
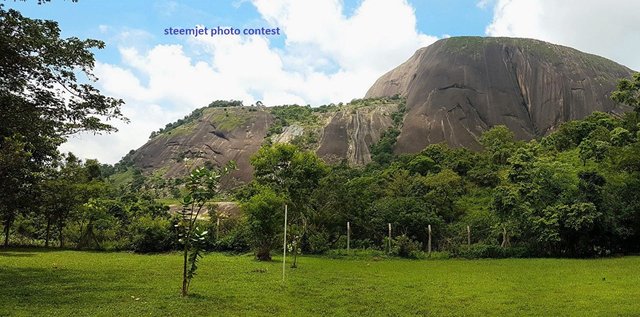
84	18
329	50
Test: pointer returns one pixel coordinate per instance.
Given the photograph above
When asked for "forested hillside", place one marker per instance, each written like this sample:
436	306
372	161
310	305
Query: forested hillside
572	193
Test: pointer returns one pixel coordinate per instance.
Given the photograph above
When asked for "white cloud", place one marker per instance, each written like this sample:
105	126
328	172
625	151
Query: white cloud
483	4
327	57
606	28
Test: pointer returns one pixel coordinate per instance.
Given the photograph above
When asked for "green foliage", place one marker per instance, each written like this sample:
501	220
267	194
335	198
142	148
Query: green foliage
152	235
96	225
229	120
289	172
225	104
202	186
480	251
628	92
318	241
499	143
234	235
265	217
289	114
405	247
382	151
306	141
197	248
193	116
423	165
197	114
294	175
40	71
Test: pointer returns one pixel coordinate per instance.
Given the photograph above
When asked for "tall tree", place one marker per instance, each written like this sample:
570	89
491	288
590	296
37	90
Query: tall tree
264	217
628	92
291	173
42	102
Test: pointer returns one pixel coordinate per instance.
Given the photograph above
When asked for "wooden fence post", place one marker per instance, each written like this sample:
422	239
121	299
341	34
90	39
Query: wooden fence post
389	246
348	235
468	235
284	243
429	243
218	228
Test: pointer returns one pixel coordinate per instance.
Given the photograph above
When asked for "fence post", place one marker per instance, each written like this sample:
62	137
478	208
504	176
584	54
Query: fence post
468	235
389	243
218	228
429	243
284	244
348	236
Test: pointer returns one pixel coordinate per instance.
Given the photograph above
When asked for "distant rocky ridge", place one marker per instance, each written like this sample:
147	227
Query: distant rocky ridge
453	90
222	134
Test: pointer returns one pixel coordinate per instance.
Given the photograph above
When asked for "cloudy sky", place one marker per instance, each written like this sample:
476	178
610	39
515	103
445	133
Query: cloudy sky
327	50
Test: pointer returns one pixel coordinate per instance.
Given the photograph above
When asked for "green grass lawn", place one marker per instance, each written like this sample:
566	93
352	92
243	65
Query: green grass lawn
69	283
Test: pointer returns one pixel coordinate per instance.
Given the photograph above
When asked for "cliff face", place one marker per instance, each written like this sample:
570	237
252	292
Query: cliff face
349	133
459	87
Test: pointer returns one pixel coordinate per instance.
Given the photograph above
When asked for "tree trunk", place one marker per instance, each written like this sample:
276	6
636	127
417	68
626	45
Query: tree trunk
184	271
295	256
6	236
60	235
48	235
7	229
263	254
505	238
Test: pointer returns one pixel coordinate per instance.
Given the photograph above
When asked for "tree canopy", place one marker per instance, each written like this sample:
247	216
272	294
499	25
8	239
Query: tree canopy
43	101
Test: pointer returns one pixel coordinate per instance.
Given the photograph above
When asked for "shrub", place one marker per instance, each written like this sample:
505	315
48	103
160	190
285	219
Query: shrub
479	251
317	241
236	238
356	254
405	247
152	235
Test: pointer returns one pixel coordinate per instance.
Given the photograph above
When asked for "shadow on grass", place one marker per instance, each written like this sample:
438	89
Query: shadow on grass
11	254
50	288
32	249
197	297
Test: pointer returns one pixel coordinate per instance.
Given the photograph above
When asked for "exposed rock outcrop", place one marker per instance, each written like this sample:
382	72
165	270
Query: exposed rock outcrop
349	133
459	87
219	136
454	90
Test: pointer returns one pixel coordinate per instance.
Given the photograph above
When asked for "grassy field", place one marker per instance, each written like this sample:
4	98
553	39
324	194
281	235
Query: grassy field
64	283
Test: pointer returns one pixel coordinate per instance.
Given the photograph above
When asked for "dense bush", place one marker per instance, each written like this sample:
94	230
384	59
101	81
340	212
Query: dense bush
405	247
316	241
479	251
234	236
152	235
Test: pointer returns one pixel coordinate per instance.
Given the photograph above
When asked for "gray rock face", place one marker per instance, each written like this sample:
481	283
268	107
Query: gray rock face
219	137
459	87
224	134
348	134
